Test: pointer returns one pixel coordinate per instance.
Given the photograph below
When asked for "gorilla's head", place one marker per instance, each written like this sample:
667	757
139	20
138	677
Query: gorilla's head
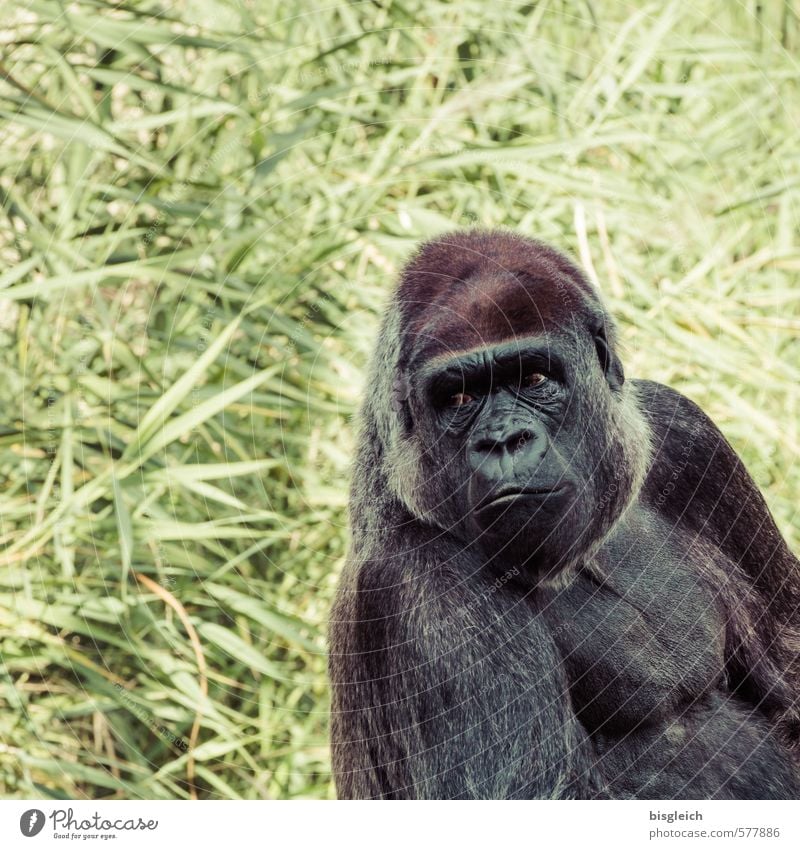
508	422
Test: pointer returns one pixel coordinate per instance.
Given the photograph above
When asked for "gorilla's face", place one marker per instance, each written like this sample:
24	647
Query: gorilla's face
513	432
514	460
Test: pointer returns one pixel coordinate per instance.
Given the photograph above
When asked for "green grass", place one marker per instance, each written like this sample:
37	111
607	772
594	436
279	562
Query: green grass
203	206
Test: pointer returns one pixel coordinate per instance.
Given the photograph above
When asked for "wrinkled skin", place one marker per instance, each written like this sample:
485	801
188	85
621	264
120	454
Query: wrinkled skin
562	583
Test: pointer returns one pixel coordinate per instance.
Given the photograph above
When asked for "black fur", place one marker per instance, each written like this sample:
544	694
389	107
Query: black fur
562	583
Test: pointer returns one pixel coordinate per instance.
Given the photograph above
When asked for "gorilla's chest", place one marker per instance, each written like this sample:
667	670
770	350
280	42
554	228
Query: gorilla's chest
642	645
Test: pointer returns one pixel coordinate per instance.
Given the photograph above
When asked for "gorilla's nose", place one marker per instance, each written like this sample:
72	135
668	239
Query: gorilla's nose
494	453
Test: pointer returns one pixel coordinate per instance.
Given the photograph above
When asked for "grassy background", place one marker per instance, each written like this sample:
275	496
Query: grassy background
203	205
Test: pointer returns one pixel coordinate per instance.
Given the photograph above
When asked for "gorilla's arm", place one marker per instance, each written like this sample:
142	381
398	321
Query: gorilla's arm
446	683
700	485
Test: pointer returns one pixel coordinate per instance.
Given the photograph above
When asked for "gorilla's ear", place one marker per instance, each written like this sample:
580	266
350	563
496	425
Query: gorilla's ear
401	391
610	362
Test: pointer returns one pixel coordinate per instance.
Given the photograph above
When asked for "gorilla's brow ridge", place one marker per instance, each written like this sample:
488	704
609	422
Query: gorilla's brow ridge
496	363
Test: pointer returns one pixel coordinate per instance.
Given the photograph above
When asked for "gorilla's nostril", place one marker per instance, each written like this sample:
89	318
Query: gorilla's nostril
503	443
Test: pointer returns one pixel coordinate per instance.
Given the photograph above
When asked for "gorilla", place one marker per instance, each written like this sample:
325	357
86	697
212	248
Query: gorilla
561	583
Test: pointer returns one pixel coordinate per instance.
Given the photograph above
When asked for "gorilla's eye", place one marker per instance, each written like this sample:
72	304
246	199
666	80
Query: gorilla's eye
459	399
535	378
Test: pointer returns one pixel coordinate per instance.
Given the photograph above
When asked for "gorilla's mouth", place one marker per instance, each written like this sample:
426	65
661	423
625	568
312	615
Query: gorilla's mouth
507	496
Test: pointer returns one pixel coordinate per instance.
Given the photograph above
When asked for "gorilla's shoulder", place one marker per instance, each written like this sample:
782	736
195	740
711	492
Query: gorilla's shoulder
697	480
692	461
669	411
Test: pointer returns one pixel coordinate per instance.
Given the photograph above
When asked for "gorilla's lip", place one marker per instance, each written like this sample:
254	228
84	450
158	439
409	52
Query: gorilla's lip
497	499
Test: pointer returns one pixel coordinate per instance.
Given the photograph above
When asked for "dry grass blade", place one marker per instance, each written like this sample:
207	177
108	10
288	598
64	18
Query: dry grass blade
197	647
